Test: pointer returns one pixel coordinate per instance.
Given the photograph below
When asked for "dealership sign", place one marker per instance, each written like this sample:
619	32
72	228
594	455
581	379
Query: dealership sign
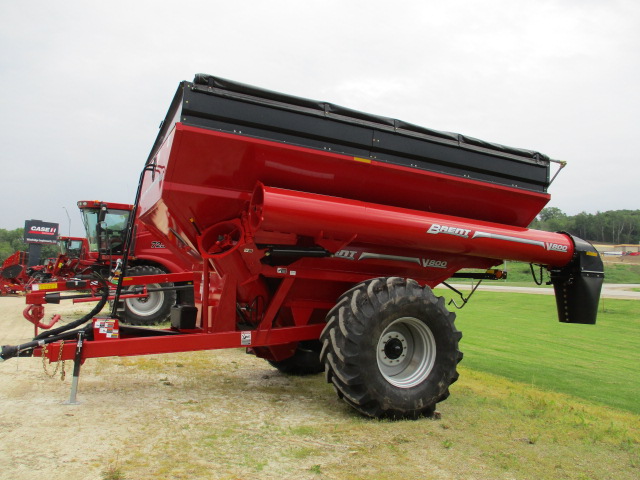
36	231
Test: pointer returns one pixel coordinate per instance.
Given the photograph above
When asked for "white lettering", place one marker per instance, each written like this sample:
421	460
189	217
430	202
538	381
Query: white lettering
556	247
43	230
435	228
428	263
457	231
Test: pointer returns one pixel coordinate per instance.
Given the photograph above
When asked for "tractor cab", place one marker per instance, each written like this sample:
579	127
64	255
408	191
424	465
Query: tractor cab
73	258
72	247
106	225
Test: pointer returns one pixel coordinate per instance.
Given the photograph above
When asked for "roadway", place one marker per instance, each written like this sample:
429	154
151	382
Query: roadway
609	290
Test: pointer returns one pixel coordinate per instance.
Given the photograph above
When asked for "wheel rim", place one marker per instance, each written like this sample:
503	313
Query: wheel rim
406	352
146	306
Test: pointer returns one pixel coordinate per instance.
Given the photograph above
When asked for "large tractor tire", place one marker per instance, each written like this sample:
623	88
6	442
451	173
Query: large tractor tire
390	348
150	310
305	360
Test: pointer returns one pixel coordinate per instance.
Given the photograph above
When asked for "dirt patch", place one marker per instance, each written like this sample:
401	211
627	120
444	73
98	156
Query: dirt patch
141	410
621	259
42	437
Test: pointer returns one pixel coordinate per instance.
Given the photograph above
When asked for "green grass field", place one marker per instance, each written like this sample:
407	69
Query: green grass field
518	336
519	273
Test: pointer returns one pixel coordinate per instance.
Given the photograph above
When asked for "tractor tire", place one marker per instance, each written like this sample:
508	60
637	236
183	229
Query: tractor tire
153	309
390	348
305	360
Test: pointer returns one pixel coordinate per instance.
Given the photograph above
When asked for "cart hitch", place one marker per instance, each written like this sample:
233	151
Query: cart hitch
10	351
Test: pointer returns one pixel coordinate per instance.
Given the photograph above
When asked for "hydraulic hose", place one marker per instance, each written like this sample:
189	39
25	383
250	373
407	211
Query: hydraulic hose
10	351
62	333
129	238
76	323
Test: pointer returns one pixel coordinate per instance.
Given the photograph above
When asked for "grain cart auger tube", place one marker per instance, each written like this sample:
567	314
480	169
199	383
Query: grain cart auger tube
575	265
316	234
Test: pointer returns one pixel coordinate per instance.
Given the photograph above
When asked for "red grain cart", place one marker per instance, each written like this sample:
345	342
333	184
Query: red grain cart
317	232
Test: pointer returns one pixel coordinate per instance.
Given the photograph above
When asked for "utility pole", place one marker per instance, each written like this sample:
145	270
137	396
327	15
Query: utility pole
68	218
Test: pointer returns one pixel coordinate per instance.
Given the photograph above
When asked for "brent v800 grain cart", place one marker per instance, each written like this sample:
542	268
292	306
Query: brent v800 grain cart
317	233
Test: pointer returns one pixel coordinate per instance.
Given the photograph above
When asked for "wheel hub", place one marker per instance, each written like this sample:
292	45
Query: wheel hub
406	352
394	348
146	306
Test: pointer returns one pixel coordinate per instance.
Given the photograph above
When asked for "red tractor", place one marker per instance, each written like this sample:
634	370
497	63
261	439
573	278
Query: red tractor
106	226
316	234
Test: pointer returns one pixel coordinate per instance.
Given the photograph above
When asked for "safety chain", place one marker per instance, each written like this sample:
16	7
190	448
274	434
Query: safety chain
58	363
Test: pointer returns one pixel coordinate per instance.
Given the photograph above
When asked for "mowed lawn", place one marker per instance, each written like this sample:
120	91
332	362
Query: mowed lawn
518	336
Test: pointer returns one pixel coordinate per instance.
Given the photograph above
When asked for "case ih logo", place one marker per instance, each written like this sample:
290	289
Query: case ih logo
457	231
36	231
42	230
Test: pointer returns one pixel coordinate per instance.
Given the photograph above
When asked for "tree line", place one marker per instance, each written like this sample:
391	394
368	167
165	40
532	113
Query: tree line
614	226
13	240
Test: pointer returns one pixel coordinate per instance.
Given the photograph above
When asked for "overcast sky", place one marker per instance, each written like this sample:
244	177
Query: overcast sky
84	85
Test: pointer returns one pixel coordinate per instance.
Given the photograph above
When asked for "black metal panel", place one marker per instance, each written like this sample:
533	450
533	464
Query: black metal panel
577	285
261	121
223	105
460	161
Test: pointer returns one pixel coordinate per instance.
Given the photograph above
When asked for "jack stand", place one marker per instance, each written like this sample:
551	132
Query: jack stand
77	362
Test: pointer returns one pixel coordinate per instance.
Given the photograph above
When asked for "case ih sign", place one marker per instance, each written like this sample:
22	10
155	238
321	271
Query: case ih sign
36	231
